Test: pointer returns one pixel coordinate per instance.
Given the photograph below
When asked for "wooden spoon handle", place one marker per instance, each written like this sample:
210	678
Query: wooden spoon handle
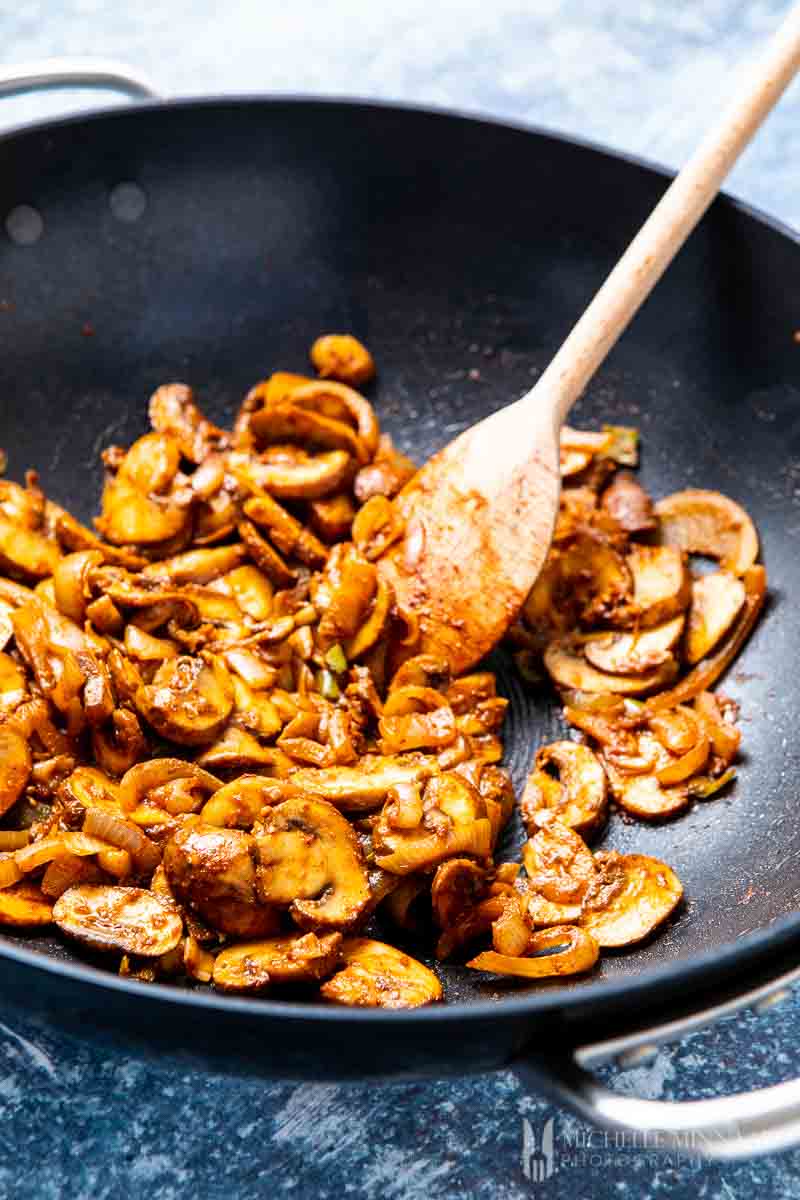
668	226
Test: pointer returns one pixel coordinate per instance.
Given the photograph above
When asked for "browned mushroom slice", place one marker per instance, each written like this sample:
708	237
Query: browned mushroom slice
592	575
717	600
704	522
569	669
173	411
70	583
454	821
571	951
707	671
213	871
129	516
311	861
376	527
377	975
24	904
187	701
304	477
332	517
74	536
635	653
341	356
637	788
13	684
559	864
569	780
239	749
289	422
629	504
26	550
366	786
15	767
251	966
458	885
240	803
252	591
661	583
635	894
339	402
266	557
129	920
290	537
197	566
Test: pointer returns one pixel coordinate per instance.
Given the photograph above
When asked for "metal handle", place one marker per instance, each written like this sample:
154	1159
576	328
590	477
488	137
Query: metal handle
46	74
727	1127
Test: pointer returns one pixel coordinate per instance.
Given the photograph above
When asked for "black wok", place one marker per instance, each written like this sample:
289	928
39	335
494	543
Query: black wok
461	251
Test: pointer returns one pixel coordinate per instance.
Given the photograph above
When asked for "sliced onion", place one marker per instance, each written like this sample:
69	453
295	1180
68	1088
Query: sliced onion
123	834
137	782
571	950
39	853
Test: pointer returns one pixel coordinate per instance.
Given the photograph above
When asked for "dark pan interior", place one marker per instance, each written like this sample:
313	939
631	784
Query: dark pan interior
461	252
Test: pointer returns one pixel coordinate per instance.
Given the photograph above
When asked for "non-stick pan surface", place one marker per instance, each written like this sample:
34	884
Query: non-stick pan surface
461	251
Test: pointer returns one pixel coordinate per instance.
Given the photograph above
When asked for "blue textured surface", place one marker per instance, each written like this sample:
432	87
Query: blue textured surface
80	1118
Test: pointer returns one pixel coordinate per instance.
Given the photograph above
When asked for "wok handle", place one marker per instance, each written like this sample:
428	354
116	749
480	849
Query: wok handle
762	1121
47	74
726	1127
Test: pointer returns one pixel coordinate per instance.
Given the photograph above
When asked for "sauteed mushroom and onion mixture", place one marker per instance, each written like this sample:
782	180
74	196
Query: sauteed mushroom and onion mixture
223	759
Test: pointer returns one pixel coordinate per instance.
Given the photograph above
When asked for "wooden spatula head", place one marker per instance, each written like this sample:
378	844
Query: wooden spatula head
479	518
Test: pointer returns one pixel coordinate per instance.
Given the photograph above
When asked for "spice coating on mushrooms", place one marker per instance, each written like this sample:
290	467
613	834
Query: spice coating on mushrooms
233	762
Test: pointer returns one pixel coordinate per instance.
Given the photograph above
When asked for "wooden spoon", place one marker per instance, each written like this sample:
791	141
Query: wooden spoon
480	515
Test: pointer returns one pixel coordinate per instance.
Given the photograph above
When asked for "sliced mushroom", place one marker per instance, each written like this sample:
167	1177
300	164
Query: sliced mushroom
188	701
376	527
252	966
341	356
569	780
639	791
252	591
74	536
129	516
290	537
559	864
706	672
289	422
310	860
572	951
26	550
458	885
213	871
239	749
70	584
25	905
128	920
305	477
635	653
717	600
629	504
705	522
365	787
15	767
173	411
266	557
635	894
240	803
661	583
571	670
376	975
197	566
13	684
454	821
332	517
592	578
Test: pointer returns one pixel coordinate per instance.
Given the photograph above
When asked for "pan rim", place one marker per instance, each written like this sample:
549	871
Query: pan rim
702	968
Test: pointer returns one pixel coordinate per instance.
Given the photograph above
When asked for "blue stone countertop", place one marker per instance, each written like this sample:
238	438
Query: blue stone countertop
80	1117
